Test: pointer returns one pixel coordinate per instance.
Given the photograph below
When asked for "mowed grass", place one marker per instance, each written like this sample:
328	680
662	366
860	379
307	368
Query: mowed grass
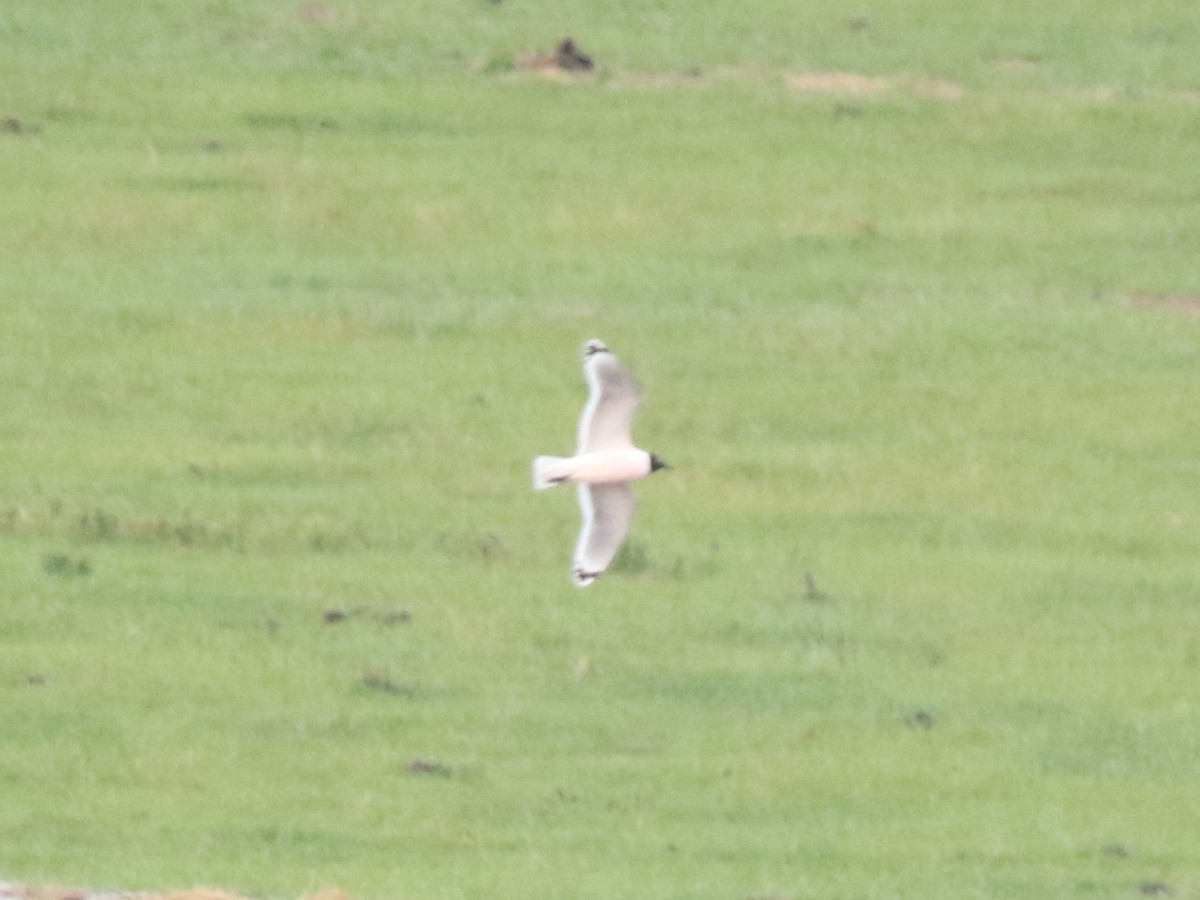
290	295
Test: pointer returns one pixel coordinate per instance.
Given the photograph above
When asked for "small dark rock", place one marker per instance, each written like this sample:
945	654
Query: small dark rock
569	58
334	616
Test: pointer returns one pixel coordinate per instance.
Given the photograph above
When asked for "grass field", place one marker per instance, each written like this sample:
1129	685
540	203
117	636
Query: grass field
291	295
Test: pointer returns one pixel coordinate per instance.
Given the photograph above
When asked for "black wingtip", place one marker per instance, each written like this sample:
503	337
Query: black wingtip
594	346
583	579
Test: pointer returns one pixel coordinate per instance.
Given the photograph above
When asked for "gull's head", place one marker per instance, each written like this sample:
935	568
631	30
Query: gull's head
594	346
656	463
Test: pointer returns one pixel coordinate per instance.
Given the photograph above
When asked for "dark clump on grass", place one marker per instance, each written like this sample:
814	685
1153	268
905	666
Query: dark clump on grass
922	719
379	681
490	547
387	618
293	122
372	126
1155	889
394	617
102	525
62	564
97	525
632	558
427	767
812	593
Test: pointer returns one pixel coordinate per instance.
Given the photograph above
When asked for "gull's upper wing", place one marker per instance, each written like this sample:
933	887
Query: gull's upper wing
613	398
607	511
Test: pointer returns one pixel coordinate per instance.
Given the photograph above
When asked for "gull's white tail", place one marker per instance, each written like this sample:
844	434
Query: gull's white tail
549	471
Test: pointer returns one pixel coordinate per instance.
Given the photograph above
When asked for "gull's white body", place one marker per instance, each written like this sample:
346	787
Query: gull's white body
604	463
597	467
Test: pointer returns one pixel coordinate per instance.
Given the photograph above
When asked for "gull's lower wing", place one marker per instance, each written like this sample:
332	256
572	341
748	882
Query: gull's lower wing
607	511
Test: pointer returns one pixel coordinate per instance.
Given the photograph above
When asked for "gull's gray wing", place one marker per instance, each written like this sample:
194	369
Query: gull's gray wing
613	398
607	511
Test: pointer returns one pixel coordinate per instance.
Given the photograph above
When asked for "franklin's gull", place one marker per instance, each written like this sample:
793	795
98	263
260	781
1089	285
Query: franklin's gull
604	463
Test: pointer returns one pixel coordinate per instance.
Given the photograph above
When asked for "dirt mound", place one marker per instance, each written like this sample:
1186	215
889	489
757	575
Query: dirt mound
854	83
566	57
1186	304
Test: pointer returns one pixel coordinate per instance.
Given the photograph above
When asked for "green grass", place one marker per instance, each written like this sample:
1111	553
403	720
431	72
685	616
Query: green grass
287	306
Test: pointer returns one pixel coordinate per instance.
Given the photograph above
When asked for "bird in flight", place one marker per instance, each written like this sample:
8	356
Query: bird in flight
604	463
